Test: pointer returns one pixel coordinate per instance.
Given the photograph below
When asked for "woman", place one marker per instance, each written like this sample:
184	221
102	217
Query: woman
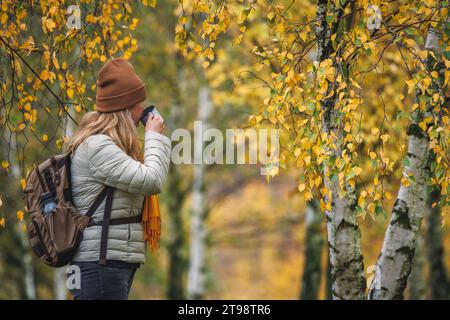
106	151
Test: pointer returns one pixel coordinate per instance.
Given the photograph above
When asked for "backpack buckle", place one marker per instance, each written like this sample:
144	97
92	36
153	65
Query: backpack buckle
55	171
57	178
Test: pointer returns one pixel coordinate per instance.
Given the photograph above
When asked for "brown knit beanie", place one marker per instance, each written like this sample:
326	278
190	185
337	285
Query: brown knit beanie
118	86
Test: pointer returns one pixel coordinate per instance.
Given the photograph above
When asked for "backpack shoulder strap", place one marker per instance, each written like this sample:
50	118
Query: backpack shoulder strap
97	202
105	225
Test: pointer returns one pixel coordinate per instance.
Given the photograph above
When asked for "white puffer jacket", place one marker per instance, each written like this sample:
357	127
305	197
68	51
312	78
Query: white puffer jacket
97	162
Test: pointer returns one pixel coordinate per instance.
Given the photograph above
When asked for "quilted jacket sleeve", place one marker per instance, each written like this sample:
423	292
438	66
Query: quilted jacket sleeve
110	165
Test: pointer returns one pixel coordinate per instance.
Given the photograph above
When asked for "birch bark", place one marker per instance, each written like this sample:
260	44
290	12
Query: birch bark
27	260
395	261
346	260
197	268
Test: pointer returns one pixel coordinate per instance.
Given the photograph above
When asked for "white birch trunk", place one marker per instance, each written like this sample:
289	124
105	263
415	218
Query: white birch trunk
346	260
30	288
395	260
344	242
196	275
59	284
27	259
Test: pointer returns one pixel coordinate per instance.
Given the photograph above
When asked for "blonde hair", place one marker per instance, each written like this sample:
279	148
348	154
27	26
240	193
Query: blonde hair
117	125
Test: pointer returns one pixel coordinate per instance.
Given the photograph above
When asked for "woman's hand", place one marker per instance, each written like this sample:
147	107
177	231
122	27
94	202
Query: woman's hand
154	123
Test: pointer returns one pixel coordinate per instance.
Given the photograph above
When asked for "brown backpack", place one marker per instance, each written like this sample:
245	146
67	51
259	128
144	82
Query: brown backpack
55	237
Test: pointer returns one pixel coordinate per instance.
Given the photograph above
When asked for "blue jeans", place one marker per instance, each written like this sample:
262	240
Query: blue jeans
99	282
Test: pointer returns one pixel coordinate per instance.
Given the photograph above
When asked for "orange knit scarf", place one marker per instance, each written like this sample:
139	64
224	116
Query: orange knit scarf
151	221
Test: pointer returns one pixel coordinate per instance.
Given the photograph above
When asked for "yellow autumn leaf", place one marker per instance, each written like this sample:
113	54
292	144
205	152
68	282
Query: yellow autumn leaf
318	181
69	93
376	181
384	137
303	36
307	196
361	201
45	74
280	27
19	215
307	160
4	18
351	182
50	24
405	182
55	61
411	85
5	164
436	97
351	147
423	125
330	73
357	171
347	127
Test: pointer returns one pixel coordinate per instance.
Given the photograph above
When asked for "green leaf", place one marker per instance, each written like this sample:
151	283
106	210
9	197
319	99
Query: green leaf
350	175
359	211
330	18
419	40
446	53
406	162
379	210
273	92
410	31
447	29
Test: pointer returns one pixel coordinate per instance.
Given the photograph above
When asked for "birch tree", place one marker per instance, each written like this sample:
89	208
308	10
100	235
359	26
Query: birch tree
199	232
27	269
395	261
346	260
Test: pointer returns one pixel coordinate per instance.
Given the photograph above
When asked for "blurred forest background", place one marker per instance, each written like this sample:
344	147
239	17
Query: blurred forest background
228	232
